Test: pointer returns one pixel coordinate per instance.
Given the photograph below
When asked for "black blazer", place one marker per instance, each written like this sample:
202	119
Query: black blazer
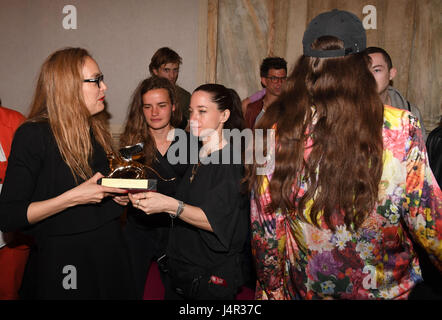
36	172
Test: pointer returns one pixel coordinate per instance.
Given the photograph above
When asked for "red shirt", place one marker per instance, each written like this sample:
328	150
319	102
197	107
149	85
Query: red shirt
252	111
10	120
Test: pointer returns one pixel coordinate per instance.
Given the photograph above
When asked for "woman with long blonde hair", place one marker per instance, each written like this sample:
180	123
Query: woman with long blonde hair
51	190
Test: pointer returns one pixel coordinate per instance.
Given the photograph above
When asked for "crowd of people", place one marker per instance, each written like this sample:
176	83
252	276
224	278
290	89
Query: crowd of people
349	208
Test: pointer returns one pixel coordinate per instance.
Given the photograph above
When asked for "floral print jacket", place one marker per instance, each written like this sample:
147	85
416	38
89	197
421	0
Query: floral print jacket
296	260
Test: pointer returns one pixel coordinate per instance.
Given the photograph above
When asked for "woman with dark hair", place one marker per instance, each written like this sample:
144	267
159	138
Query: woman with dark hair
209	211
51	191
152	118
350	184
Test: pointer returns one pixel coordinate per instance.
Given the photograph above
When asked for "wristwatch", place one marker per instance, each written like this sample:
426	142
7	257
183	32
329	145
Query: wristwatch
179	210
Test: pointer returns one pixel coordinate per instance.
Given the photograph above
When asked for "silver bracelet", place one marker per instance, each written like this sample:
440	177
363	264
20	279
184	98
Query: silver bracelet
178	211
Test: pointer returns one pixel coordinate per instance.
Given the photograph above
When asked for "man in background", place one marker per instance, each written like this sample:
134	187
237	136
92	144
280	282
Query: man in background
165	63
273	72
384	73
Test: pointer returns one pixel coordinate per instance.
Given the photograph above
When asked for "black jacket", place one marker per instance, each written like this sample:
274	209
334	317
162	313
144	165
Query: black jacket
36	172
434	149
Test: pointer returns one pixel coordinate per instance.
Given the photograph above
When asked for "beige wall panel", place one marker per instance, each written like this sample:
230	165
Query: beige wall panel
281	14
212	40
297	22
374	36
409	30
243	28
271	32
397	30
121	35
203	18
318	6
354	6
424	86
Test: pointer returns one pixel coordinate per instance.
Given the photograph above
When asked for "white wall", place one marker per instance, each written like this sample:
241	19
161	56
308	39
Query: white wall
121	35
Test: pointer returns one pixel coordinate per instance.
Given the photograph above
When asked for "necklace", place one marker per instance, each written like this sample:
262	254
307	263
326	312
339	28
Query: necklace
194	170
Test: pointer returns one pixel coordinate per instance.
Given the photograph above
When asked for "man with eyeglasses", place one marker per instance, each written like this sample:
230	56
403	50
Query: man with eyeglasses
165	63
273	72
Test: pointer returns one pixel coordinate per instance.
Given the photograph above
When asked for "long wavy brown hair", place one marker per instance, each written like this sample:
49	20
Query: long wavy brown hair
334	101
58	99
136	129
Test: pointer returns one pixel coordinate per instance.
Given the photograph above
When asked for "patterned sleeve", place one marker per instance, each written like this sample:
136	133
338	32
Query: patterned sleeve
265	246
423	195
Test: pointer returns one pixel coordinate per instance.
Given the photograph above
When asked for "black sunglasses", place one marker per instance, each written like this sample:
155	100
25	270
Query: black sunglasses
96	80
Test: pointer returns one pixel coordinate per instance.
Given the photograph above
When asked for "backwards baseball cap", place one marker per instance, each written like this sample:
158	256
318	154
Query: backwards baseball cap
340	24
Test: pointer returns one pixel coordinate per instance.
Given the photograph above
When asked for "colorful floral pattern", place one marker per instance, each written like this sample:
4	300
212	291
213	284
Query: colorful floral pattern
296	260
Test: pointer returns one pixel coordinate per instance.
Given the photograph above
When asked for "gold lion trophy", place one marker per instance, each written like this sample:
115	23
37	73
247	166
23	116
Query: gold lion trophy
127	173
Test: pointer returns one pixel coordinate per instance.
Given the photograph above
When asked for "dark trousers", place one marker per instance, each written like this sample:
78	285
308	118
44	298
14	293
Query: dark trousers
99	266
431	288
145	246
171	292
185	281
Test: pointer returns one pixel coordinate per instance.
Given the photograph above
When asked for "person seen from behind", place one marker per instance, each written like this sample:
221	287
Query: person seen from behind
350	186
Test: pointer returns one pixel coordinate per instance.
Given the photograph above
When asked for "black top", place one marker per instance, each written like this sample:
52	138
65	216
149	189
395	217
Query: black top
36	172
183	102
167	171
216	190
434	148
